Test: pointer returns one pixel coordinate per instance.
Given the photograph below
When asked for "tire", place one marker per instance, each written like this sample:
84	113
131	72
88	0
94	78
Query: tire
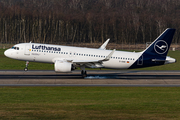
25	69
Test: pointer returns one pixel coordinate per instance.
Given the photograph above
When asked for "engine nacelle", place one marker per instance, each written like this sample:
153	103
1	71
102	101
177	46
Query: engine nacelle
61	66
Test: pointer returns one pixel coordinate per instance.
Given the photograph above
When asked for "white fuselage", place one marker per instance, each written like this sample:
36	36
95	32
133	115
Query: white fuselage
46	53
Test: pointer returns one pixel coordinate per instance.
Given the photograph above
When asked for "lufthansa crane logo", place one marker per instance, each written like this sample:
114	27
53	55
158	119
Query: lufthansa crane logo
160	46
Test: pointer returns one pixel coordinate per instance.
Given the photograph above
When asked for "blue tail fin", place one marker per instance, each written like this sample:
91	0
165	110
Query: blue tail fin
161	45
156	53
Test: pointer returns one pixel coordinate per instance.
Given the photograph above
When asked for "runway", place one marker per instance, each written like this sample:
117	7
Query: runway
94	78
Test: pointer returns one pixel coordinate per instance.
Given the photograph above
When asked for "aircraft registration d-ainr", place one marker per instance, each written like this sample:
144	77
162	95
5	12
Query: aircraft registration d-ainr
67	58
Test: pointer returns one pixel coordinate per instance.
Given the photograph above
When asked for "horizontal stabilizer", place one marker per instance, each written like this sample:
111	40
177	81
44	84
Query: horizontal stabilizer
158	60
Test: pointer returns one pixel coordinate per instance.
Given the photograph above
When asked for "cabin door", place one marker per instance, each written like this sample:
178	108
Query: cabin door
27	50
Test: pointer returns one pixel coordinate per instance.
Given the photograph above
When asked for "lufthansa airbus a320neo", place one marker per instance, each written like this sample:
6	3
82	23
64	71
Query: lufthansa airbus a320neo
67	58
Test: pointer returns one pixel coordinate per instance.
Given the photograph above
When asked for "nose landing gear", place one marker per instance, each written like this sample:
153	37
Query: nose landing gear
26	68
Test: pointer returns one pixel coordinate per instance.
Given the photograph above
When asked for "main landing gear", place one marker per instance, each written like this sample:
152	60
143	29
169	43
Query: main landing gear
26	68
83	72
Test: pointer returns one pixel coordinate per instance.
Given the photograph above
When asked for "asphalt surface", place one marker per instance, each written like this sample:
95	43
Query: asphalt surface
94	78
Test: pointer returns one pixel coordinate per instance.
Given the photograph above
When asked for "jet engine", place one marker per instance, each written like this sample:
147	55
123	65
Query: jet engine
62	66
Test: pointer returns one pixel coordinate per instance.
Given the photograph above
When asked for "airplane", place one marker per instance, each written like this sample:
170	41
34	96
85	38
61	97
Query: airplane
68	58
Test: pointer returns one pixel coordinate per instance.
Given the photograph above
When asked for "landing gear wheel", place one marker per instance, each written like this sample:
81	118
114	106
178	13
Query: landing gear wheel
83	73
25	69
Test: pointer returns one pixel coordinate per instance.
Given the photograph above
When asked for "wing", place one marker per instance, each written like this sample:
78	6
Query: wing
87	63
93	63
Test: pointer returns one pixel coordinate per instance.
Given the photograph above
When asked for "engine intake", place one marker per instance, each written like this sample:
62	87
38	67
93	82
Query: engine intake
61	66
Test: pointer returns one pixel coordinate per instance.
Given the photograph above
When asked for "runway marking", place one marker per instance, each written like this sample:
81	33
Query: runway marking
94	78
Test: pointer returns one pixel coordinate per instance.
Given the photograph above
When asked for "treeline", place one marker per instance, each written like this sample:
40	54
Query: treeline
90	21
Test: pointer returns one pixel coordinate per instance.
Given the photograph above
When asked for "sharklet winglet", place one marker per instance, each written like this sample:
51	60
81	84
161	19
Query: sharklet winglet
103	46
109	56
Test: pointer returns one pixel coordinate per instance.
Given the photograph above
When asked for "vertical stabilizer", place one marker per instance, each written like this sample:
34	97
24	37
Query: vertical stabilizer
161	45
156	53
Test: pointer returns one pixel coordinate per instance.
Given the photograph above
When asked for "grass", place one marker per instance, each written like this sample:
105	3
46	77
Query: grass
10	64
87	103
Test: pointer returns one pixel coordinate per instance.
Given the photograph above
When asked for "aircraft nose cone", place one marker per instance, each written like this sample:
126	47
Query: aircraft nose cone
7	53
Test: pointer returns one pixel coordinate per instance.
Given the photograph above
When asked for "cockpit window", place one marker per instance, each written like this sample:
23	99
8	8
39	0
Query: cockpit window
16	48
